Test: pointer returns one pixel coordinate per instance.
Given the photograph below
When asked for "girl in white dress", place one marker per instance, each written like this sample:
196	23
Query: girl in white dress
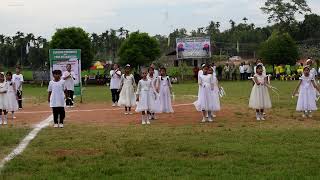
145	97
306	99
127	96
205	102
3	100
260	98
215	93
164	87
11	95
155	96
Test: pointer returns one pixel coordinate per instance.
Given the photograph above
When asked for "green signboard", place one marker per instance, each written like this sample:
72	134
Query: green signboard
59	58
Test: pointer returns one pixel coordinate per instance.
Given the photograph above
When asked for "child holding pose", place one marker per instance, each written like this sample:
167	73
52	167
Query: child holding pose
56	98
145	97
127	96
215	93
260	98
306	100
3	100
154	95
164	87
205	102
11	95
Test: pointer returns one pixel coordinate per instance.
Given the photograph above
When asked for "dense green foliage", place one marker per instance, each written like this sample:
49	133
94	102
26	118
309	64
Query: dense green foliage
138	50
279	49
74	38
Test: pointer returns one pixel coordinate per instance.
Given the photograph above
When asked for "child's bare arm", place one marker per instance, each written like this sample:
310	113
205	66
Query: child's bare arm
49	95
315	86
255	79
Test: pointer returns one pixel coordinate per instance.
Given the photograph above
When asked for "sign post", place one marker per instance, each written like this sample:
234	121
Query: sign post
193	47
59	58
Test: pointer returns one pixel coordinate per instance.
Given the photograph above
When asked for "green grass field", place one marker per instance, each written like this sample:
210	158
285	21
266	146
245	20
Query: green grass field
240	148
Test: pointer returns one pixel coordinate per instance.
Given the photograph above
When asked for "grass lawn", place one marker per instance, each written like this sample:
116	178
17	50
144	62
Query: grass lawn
281	148
9	138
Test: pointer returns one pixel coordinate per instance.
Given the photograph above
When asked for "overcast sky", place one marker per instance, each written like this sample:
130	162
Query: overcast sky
43	17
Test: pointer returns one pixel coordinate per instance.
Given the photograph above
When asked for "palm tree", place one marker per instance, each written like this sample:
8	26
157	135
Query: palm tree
2	39
233	24
245	20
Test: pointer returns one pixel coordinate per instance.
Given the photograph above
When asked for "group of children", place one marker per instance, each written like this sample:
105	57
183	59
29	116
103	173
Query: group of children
10	100
307	96
154	91
152	95
209	91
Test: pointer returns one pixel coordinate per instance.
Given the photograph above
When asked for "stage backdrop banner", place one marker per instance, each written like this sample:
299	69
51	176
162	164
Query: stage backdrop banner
193	47
59	58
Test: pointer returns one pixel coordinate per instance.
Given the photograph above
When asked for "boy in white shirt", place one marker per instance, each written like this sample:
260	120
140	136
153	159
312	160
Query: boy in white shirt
69	77
18	80
56	96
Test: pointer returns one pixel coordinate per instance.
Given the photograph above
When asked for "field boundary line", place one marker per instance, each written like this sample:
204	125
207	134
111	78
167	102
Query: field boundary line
90	110
26	141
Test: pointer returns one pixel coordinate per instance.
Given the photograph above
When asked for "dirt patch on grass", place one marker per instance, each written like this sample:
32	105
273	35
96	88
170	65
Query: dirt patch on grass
231	116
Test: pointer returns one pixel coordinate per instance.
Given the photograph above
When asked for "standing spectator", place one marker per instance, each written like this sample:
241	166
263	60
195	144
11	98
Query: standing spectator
278	69
115	84
219	70
245	67
241	69
18	80
282	70
300	69
86	77
69	77
226	70
288	70
234	72
156	72
249	71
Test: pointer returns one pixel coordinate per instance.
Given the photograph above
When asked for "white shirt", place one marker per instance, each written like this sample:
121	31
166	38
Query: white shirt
57	93
241	68
18	80
115	79
249	69
69	83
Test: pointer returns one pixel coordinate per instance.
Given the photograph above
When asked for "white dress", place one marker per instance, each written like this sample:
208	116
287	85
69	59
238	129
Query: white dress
306	99
205	100
11	97
155	96
216	96
165	94
146	102
127	96
3	96
313	75
260	98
